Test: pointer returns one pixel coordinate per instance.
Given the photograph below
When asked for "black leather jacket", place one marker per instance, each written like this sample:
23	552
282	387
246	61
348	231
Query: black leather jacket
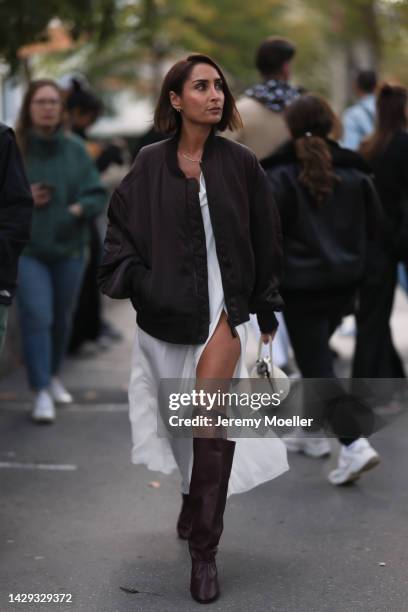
325	247
16	207
155	249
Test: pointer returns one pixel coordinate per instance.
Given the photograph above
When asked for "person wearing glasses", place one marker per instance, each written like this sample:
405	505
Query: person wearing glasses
67	192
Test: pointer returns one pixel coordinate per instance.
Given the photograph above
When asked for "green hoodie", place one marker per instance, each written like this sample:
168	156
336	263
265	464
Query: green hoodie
62	162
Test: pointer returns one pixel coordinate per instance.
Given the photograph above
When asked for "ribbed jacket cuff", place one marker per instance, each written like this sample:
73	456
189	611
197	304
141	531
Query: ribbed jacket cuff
267	321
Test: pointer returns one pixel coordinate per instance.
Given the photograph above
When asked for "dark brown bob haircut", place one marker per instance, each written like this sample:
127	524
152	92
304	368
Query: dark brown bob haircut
167	120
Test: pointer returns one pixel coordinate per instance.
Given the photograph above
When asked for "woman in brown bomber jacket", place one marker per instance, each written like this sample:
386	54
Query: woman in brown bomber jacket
194	241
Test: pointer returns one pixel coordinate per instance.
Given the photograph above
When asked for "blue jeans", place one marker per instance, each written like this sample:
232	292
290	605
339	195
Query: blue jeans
403	276
47	295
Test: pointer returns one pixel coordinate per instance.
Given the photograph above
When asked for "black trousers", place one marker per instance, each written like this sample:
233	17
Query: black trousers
375	355
310	323
87	322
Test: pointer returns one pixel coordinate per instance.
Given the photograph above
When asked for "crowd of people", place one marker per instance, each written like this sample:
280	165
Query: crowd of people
304	225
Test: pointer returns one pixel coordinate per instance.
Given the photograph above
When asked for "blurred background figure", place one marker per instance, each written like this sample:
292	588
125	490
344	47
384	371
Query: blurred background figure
149	137
359	119
90	330
83	109
358	124
329	210
15	220
264	130
67	193
387	152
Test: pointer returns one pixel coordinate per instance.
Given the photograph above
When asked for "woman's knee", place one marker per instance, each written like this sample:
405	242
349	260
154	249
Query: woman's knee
35	317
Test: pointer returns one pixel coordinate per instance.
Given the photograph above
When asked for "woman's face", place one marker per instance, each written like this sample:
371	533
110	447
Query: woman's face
46	108
202	99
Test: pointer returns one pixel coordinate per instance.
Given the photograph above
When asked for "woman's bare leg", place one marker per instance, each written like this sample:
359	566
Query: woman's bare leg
213	457
215	369
221	354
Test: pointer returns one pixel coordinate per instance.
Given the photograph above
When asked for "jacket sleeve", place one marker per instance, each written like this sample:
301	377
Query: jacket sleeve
284	196
16	206
92	194
122	271
267	246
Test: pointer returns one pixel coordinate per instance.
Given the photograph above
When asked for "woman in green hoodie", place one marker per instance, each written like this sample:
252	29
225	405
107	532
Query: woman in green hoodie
67	192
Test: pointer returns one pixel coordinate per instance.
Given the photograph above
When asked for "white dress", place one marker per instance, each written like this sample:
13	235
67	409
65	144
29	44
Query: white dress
256	460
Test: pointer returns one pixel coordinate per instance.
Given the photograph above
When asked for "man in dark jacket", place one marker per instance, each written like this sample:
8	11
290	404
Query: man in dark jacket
15	219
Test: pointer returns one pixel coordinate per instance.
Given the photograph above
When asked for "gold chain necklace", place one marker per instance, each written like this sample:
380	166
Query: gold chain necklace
196	161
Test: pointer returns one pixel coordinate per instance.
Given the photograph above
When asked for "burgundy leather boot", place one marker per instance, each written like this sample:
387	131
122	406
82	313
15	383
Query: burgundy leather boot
185	518
208	495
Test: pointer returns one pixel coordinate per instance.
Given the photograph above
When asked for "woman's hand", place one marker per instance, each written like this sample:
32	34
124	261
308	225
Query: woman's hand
267	337
76	209
41	194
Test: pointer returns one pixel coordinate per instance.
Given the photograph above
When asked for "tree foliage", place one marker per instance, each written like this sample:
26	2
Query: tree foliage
129	41
24	22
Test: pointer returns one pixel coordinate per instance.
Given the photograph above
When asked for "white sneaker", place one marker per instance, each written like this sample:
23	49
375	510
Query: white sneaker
354	459
302	441
58	392
43	409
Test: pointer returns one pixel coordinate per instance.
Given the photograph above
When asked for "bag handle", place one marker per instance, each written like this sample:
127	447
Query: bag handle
260	344
269	374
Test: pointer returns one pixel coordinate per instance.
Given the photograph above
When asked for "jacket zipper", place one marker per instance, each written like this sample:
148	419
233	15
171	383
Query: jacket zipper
234	332
193	254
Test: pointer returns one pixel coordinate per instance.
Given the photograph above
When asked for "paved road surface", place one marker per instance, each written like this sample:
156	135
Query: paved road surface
90	523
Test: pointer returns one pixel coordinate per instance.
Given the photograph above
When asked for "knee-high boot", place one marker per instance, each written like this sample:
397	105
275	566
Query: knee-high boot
185	518
208	494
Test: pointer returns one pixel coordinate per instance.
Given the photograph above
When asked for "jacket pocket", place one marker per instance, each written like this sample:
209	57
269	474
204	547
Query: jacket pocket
167	296
142	290
145	291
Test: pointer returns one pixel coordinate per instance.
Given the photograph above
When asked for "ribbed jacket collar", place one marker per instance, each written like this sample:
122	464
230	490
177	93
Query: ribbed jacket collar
171	152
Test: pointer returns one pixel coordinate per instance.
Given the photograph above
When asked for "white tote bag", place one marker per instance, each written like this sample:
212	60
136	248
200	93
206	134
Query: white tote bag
264	368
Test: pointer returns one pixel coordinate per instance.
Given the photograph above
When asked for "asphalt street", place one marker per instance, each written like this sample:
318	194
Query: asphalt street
77	518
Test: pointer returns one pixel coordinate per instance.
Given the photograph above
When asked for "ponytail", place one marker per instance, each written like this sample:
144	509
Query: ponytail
317	173
310	120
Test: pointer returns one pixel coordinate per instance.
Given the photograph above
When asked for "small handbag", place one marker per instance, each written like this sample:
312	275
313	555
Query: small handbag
265	369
